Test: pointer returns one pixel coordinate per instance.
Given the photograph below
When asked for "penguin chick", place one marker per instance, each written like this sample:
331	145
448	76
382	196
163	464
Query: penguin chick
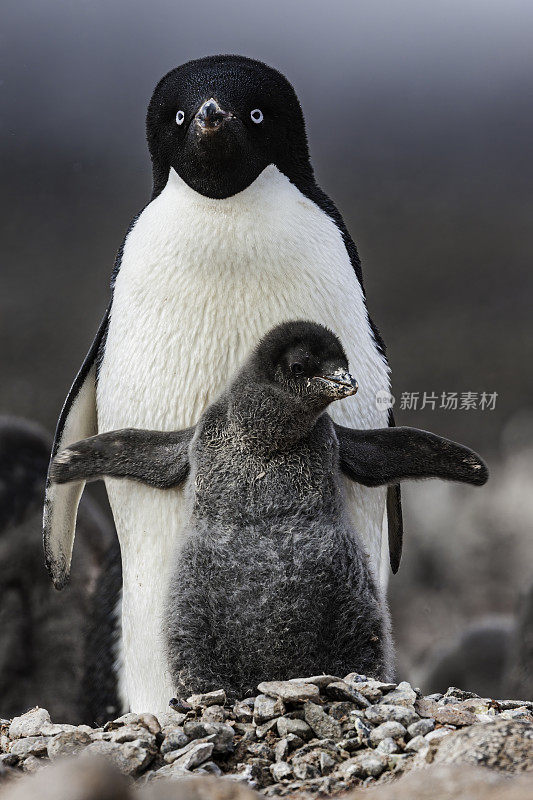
271	580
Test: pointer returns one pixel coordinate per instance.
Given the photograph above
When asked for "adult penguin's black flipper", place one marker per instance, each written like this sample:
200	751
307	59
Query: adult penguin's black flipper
77	421
390	455
155	458
394	517
395	526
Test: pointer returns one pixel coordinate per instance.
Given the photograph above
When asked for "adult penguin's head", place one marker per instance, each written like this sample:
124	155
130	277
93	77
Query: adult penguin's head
219	121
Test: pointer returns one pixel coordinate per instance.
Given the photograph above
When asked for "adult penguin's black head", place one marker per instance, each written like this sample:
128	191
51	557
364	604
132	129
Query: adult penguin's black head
305	360
219	121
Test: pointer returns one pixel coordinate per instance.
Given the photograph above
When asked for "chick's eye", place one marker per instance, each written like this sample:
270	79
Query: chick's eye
297	369
256	115
180	116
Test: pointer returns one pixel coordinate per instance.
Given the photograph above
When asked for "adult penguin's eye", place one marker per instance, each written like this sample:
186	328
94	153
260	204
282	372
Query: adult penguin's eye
180	116
256	115
297	369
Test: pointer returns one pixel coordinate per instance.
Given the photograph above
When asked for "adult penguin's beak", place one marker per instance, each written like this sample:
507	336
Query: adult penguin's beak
210	117
338	384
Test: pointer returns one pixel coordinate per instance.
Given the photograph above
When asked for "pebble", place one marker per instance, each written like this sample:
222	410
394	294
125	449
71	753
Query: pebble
421	727
259	771
399	761
218	697
403	695
349	745
68	743
243	711
416	743
262	730
211	768
327	762
195	756
261	750
174	740
370	691
286	745
364	683
303	767
363	765
51	729
214	714
280	771
170	719
388	746
9	759
384	712
460	694
245	729
445	714
173	755
363	732
321	723
392	730
281	750
289	691
132	733
266	708
168	772
218	732
130	758
508	705
356	713
318	680
148	721
515	713
438	734
297	727
342	710
29	746
29	724
33	764
340	690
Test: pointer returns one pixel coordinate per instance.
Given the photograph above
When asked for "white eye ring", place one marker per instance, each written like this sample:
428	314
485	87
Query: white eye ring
256	115
180	116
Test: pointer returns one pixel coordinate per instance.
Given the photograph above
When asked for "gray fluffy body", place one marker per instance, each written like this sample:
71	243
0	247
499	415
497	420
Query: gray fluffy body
272	581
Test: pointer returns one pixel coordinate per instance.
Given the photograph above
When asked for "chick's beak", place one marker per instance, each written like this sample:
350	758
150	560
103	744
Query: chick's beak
338	384
210	116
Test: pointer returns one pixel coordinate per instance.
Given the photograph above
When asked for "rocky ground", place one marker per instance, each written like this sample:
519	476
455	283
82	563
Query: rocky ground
300	738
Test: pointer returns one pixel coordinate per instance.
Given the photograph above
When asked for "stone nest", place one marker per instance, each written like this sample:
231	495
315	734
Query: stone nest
306	736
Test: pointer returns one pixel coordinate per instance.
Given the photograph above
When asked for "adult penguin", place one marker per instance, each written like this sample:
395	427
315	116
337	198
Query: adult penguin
237	238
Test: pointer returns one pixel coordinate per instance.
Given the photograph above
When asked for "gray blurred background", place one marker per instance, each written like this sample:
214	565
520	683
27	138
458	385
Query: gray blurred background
420	122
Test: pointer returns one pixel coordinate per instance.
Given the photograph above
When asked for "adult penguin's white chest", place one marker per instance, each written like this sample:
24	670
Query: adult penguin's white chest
200	281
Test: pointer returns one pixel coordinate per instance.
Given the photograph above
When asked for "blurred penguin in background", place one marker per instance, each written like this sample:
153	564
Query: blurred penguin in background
42	650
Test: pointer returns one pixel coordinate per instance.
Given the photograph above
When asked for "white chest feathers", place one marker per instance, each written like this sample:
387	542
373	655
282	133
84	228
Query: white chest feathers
201	280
